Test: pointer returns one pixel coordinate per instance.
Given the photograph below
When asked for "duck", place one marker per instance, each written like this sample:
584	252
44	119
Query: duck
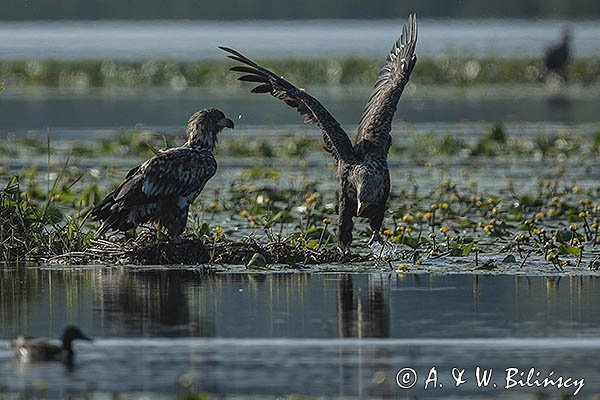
32	349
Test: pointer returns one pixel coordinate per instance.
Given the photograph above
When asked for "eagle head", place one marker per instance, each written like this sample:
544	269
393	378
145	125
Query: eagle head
369	185
204	125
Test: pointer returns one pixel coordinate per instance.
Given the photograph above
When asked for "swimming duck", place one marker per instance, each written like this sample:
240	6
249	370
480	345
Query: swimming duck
31	349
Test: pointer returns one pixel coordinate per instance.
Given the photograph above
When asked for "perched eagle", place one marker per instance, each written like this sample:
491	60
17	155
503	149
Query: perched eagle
362	169
162	189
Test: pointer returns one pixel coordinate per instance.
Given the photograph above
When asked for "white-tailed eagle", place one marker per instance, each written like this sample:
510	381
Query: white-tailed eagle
162	189
363	173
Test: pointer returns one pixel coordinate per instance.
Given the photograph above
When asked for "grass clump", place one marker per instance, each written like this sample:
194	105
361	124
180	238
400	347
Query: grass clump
29	230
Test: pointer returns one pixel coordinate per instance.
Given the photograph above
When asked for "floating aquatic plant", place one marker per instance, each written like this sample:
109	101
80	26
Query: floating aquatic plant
288	218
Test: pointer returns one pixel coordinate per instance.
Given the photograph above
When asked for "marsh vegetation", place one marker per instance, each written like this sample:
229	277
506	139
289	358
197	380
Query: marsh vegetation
331	72
271	200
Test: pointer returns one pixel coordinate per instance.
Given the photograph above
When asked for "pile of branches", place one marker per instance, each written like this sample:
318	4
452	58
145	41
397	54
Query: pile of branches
192	251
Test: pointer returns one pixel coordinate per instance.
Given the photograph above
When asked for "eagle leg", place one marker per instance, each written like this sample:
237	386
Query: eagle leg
347	210
378	211
376	237
375	222
174	220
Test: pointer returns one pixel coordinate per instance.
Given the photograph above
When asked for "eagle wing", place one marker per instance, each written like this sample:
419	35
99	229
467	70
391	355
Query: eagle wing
177	172
336	140
376	120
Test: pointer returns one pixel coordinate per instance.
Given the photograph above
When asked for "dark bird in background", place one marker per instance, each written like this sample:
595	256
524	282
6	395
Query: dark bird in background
30	349
162	189
362	169
557	56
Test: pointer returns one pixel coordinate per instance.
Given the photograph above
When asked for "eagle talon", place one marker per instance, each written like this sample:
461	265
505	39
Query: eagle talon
345	251
376	237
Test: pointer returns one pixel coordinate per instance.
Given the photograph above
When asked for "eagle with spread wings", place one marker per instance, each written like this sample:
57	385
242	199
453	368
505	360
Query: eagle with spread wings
161	189
362	168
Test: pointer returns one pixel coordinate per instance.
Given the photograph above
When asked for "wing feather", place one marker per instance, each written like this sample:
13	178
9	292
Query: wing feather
252	78
266	88
376	120
177	172
336	140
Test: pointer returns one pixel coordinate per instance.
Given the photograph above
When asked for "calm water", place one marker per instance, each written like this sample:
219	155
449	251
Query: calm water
267	335
57	110
199	39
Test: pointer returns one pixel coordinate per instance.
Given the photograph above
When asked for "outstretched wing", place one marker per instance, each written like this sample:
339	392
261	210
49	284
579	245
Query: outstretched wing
376	120
336	139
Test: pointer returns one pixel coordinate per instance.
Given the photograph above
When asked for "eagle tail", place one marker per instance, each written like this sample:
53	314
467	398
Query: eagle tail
115	209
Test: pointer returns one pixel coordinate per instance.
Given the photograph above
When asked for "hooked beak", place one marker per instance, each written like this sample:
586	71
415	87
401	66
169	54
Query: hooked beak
225	123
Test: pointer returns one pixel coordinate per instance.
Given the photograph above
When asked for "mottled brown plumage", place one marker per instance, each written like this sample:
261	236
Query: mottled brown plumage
362	169
162	189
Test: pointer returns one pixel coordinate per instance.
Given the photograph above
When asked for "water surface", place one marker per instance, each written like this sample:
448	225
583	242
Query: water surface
191	40
329	334
164	108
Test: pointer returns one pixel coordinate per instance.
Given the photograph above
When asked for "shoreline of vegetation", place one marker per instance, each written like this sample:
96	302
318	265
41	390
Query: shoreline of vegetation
350	71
